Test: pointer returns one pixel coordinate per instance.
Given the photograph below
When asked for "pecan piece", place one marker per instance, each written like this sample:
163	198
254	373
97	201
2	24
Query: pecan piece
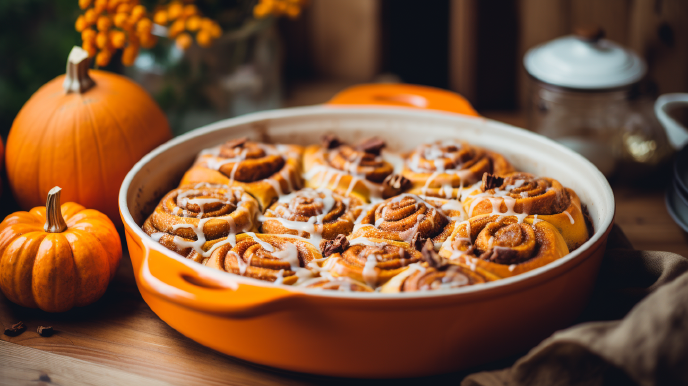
338	245
45	331
236	142
491	181
331	141
372	145
431	257
397	182
15	329
418	241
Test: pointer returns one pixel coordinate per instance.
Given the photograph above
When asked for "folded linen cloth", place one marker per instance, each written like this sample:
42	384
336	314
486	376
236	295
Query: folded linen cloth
648	345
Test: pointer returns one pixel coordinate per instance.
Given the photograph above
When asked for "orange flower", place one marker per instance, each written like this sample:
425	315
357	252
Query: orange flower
127	25
99	6
90	48
183	41
83	4
174	10
160	17
193	23
203	38
102	40
80	24
124	8
189	10
104	23
129	54
117	39
144	26
90	16
103	58
176	28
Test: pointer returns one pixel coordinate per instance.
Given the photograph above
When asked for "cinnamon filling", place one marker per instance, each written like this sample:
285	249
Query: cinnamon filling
359	163
249	161
400	215
503	243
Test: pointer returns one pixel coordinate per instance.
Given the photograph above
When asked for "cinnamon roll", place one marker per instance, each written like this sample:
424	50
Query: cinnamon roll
191	220
371	261
316	214
408	217
522	194
265	171
274	258
433	273
500	246
442	168
350	170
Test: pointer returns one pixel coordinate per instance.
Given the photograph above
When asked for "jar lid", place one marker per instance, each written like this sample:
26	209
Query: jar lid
584	61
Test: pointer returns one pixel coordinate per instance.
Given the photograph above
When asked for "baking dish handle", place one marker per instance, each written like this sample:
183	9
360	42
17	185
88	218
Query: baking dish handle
181	285
404	95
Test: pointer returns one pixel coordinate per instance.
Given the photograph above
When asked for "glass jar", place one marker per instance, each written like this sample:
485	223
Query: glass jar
581	91
615	129
588	122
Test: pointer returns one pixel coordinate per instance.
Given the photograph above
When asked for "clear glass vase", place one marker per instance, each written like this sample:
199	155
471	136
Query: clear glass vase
240	73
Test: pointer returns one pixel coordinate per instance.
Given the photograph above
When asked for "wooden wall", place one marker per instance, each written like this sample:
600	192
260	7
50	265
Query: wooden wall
655	29
346	40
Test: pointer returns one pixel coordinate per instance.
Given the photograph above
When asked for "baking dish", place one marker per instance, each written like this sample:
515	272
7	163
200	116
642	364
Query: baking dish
362	334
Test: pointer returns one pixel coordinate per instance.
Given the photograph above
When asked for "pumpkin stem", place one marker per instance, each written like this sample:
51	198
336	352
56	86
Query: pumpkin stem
77	78
54	222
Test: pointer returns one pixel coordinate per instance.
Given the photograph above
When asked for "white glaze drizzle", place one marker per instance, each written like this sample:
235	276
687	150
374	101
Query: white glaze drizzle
369	272
570	217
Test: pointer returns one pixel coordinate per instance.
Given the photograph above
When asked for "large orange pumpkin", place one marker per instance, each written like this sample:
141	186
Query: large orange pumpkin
57	257
82	131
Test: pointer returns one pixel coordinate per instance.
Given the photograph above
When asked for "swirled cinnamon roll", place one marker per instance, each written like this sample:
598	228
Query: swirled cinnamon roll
497	246
522	194
371	261
442	168
310	213
350	170
273	258
265	171
191	220
407	217
433	273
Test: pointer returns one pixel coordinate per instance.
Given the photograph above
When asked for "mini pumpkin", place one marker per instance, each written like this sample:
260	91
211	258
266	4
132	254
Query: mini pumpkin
82	131
57	257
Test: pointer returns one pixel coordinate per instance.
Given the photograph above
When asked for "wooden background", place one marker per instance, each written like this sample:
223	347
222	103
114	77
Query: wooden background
474	47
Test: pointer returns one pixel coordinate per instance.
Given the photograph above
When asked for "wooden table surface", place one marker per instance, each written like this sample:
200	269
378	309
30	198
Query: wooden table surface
120	341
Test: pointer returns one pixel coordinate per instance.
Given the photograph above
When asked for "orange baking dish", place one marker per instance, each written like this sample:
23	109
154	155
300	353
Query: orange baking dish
363	334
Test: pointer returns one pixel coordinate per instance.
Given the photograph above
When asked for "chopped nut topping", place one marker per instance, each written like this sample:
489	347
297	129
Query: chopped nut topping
491	181
338	245
331	141
431	257
397	182
45	331
418	241
15	329
236	142
372	145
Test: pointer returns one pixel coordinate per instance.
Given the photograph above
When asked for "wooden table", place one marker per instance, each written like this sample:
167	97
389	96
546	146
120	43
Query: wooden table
120	341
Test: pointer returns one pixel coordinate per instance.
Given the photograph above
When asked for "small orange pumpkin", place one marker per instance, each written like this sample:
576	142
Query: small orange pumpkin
82	131
54	263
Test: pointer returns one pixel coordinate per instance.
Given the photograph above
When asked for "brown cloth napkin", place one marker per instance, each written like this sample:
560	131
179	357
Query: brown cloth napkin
648	345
